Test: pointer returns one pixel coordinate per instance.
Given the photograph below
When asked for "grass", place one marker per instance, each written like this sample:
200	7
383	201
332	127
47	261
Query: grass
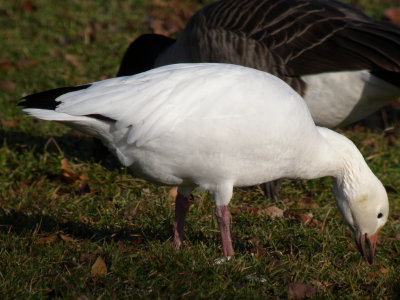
61	208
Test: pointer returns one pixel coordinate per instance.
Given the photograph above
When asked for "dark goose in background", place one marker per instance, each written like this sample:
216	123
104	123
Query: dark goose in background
342	62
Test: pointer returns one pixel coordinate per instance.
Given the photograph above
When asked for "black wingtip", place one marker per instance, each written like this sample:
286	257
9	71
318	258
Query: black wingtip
46	99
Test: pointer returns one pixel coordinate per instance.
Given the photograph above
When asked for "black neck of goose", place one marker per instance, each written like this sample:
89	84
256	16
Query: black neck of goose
142	53
389	76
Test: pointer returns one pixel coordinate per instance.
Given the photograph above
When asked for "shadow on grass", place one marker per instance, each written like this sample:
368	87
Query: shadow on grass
72	145
21	223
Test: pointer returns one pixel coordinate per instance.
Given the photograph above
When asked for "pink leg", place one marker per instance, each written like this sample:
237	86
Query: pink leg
223	219
181	207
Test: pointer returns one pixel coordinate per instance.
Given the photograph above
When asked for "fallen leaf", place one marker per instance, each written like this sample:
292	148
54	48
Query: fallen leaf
307	219
393	15
104	76
5	64
76	133
275	263
24	63
370	142
9	123
85	257
173	192
273	212
321	285
67	238
47	239
99	267
73	59
7	85
169	17
383	270
307	202
66	171
82	297
398	236
258	250
73	177
28	6
300	290
83	186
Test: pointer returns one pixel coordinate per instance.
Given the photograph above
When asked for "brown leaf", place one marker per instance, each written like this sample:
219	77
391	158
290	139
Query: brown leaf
104	77
173	192
85	257
28	6
398	236
157	26
307	219
66	171
82	297
72	177
168	17
300	290
76	133
258	250
273	212
393	15
73	59
23	62
7	85
307	202
5	64
383	270
321	285
66	238
370	142
99	267
9	123
47	239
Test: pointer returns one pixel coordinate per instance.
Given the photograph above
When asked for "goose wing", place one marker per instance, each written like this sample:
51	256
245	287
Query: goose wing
293	38
154	102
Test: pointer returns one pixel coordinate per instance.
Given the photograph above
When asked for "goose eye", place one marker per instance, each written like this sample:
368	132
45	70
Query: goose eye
380	215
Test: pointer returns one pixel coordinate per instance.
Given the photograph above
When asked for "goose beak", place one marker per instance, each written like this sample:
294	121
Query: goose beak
366	245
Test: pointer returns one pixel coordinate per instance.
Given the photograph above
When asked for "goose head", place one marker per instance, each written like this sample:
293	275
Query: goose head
365	208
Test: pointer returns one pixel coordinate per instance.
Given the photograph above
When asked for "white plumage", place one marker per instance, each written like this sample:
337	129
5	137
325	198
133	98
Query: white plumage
217	126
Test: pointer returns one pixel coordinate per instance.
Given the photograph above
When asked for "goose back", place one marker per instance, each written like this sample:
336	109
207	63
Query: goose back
287	38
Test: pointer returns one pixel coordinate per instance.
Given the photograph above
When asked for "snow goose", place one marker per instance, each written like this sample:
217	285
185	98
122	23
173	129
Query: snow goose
216	126
343	63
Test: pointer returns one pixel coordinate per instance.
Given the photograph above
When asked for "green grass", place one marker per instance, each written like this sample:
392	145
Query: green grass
55	223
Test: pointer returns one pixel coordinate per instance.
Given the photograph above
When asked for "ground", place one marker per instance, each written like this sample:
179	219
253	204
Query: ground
74	226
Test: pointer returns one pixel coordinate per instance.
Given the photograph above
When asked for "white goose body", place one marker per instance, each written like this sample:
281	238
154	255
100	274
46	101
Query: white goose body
217	126
337	99
201	117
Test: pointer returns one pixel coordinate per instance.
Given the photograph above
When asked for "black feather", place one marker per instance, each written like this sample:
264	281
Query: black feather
392	77
46	99
142	53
